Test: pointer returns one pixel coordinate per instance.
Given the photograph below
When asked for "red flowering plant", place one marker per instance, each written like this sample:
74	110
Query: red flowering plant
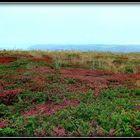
7	59
9	96
3	123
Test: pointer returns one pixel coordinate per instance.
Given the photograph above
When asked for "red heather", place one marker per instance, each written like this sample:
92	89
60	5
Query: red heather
59	131
111	132
10	92
99	131
3	123
49	108
7	59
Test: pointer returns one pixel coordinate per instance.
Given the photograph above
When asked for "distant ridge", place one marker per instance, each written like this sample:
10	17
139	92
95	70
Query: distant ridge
89	47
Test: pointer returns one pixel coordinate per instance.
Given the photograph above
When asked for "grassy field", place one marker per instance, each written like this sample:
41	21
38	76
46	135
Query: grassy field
69	94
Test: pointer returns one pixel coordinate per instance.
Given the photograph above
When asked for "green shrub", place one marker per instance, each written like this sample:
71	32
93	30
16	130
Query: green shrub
129	70
20	63
4	111
136	91
69	81
8	132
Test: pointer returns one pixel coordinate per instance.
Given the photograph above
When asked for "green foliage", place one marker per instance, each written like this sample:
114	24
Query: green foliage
39	97
53	78
87	97
20	63
129	69
113	109
110	110
13	85
30	126
2	67
64	65
136	92
4	111
69	81
8	132
55	66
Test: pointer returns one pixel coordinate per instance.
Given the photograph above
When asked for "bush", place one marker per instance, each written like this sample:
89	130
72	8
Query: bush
4	111
136	91
8	132
129	70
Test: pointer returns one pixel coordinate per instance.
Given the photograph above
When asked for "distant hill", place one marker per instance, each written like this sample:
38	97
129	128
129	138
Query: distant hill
89	47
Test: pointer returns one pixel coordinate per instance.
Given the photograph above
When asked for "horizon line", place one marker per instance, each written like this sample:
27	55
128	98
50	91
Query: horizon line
72	44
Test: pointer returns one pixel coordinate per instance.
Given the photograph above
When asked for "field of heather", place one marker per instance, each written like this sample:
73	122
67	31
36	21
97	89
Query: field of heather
69	94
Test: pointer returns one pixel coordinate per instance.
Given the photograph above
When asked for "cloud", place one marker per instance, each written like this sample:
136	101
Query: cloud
69	24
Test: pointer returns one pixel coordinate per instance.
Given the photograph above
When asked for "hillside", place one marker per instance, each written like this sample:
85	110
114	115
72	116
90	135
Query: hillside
89	47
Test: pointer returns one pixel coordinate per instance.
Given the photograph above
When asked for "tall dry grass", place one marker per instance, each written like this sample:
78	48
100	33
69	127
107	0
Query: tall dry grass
116	62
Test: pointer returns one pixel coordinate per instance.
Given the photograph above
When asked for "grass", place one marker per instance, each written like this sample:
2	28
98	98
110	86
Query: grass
69	94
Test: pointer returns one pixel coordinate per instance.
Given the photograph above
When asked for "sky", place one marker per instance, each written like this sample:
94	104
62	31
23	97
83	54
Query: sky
22	25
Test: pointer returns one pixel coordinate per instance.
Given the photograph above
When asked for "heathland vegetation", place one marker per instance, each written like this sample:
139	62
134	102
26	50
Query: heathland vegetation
69	93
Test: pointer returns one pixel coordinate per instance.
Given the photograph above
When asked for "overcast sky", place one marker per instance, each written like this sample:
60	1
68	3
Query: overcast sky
69	24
